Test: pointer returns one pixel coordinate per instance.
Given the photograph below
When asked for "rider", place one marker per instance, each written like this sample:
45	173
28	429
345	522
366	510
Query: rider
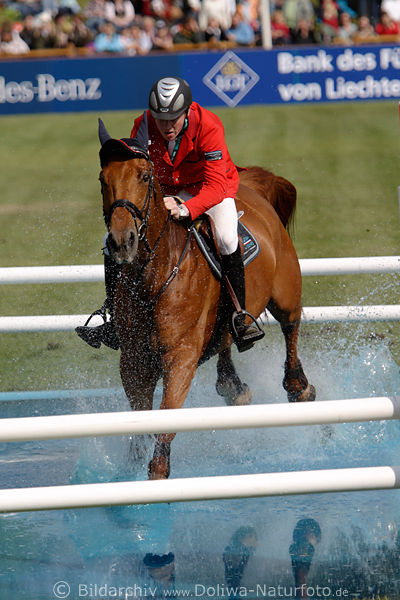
196	173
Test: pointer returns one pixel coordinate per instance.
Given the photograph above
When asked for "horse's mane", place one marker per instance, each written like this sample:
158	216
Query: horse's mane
279	192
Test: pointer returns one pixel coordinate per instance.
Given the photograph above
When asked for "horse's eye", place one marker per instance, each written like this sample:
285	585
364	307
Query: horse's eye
146	177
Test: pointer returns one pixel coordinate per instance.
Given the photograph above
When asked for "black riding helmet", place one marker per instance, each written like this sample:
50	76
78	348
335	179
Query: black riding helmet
169	98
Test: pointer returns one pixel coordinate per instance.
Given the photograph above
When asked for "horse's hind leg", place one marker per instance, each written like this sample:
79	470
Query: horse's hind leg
229	385
295	382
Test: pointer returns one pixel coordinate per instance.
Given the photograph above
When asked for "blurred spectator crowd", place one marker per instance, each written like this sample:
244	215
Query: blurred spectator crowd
333	21
137	27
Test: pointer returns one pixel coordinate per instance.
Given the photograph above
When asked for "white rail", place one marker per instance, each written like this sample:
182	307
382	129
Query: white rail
309	266
311	314
199	419
58	274
93	273
200	488
350	265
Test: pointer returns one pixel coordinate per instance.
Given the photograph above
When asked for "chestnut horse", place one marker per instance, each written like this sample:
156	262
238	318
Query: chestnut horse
167	300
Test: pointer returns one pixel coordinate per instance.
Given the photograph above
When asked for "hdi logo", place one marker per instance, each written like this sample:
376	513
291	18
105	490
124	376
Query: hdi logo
231	79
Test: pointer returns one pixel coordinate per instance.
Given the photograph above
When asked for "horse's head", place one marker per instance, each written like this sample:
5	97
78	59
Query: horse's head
127	185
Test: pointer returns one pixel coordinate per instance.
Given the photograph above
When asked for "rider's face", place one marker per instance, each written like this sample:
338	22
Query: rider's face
170	129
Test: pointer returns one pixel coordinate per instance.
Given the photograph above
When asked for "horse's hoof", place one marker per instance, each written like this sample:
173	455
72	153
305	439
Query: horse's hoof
234	394
307	395
244	398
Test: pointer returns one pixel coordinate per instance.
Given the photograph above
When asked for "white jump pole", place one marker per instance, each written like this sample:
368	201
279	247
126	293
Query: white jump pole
34	324
326	314
350	265
53	274
95	273
311	314
199	488
199	419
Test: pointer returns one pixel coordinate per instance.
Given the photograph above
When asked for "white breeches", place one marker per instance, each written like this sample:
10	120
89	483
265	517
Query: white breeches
224	216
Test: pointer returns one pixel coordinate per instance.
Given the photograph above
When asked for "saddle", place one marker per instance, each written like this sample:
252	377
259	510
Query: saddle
204	234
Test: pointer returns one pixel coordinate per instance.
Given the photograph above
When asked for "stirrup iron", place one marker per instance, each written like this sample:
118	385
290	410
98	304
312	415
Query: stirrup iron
251	333
95	336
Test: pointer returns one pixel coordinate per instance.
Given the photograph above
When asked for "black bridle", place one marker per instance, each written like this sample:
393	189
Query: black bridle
139	214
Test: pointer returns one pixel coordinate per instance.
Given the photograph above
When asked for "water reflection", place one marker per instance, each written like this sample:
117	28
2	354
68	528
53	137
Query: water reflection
306	535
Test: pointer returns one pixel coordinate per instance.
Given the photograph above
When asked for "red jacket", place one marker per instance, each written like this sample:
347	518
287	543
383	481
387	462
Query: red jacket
202	164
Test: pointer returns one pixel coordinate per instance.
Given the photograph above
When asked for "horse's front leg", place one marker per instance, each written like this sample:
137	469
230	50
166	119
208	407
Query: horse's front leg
178	371
139	379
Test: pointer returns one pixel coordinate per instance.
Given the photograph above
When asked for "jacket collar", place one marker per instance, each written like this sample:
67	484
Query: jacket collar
187	143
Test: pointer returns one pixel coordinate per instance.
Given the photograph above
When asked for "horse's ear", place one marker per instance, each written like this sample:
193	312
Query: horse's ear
141	139
103	133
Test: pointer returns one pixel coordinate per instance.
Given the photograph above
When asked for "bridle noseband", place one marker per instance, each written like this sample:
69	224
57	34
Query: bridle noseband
138	214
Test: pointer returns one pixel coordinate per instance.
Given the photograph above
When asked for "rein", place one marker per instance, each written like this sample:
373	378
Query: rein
175	270
132	288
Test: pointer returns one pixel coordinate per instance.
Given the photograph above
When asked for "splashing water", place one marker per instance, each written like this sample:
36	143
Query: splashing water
359	548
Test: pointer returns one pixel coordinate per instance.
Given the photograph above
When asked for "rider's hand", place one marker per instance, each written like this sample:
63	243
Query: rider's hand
171	204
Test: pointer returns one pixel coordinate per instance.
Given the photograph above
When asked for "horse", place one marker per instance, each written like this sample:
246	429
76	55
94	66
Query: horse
167	301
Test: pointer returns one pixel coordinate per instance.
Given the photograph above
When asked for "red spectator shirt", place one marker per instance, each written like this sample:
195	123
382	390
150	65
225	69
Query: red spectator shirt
390	29
202	165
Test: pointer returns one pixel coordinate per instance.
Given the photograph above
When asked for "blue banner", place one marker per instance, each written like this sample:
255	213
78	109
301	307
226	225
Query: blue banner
254	76
81	84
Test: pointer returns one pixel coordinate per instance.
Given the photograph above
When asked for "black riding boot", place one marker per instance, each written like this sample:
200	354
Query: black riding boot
244	335
106	332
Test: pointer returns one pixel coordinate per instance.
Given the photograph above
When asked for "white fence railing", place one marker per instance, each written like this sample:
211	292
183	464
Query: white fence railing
93	273
200	488
311	314
309	267
199	419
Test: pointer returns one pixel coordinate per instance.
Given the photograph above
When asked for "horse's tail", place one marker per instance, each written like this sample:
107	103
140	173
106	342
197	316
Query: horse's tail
279	192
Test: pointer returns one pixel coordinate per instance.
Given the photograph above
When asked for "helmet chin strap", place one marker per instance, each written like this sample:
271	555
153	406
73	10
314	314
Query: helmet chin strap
178	139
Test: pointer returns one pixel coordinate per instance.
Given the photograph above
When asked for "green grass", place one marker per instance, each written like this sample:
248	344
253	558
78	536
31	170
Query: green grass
343	159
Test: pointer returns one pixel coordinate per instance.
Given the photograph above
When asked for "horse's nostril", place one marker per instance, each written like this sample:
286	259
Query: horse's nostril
132	238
